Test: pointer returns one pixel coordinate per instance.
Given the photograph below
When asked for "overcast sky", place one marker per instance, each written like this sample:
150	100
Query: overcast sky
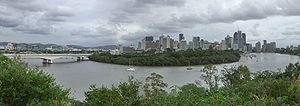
105	22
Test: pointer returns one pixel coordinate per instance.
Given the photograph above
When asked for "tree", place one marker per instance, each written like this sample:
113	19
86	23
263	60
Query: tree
154	85
235	77
22	85
125	94
210	77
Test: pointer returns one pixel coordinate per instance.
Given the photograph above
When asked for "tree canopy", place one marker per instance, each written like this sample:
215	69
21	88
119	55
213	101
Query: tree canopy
22	85
178	58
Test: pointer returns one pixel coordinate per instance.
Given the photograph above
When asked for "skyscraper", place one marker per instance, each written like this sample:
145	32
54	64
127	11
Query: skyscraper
196	42
258	47
228	42
264	46
149	38
239	40
181	37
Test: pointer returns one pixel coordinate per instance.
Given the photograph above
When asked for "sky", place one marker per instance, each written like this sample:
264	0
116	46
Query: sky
111	22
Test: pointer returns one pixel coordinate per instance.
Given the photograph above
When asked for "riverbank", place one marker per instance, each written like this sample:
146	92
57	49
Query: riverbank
179	58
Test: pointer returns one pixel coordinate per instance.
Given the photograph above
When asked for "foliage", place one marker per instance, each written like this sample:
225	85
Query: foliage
179	58
236	76
210	77
242	88
154	85
126	93
21	85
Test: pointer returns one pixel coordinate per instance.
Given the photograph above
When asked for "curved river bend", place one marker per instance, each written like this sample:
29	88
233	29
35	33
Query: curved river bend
80	75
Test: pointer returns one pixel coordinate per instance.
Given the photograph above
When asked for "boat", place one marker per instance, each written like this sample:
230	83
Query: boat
189	68
130	67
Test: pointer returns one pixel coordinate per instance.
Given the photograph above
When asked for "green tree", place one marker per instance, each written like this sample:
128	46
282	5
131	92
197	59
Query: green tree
210	77
125	94
154	85
236	76
22	85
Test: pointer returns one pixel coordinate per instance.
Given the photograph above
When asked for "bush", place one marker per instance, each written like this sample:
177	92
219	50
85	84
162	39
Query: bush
21	85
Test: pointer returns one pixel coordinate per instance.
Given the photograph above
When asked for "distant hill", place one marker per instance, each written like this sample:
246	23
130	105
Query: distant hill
106	47
43	46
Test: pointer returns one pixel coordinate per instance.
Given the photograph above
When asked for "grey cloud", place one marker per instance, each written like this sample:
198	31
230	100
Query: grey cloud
98	32
217	13
58	14
35	29
291	32
26	5
8	21
135	7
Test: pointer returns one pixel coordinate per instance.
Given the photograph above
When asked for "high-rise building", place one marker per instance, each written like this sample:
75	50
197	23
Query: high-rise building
239	40
223	45
196	42
258	47
264	46
202	43
190	45
166	42
181	37
271	47
249	47
229	42
183	45
149	38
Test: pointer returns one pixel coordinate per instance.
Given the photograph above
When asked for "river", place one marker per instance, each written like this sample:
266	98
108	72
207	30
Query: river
80	75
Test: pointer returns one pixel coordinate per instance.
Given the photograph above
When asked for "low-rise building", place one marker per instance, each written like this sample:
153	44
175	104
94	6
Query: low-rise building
9	47
115	52
126	50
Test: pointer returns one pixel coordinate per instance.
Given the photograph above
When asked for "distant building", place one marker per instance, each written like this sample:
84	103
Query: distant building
249	47
9	47
181	37
239	39
190	45
228	42
202	43
223	45
268	47
115	52
183	45
264	46
258	47
166	42
126	50
149	38
271	47
196	42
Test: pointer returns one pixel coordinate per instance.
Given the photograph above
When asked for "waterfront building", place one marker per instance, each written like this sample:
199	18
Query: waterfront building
249	47
258	47
239	40
271	47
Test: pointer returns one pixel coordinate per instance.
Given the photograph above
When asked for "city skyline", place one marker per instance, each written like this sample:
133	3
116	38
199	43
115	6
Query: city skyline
101	22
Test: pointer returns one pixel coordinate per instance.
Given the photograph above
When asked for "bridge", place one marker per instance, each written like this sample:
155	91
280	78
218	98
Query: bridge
48	58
